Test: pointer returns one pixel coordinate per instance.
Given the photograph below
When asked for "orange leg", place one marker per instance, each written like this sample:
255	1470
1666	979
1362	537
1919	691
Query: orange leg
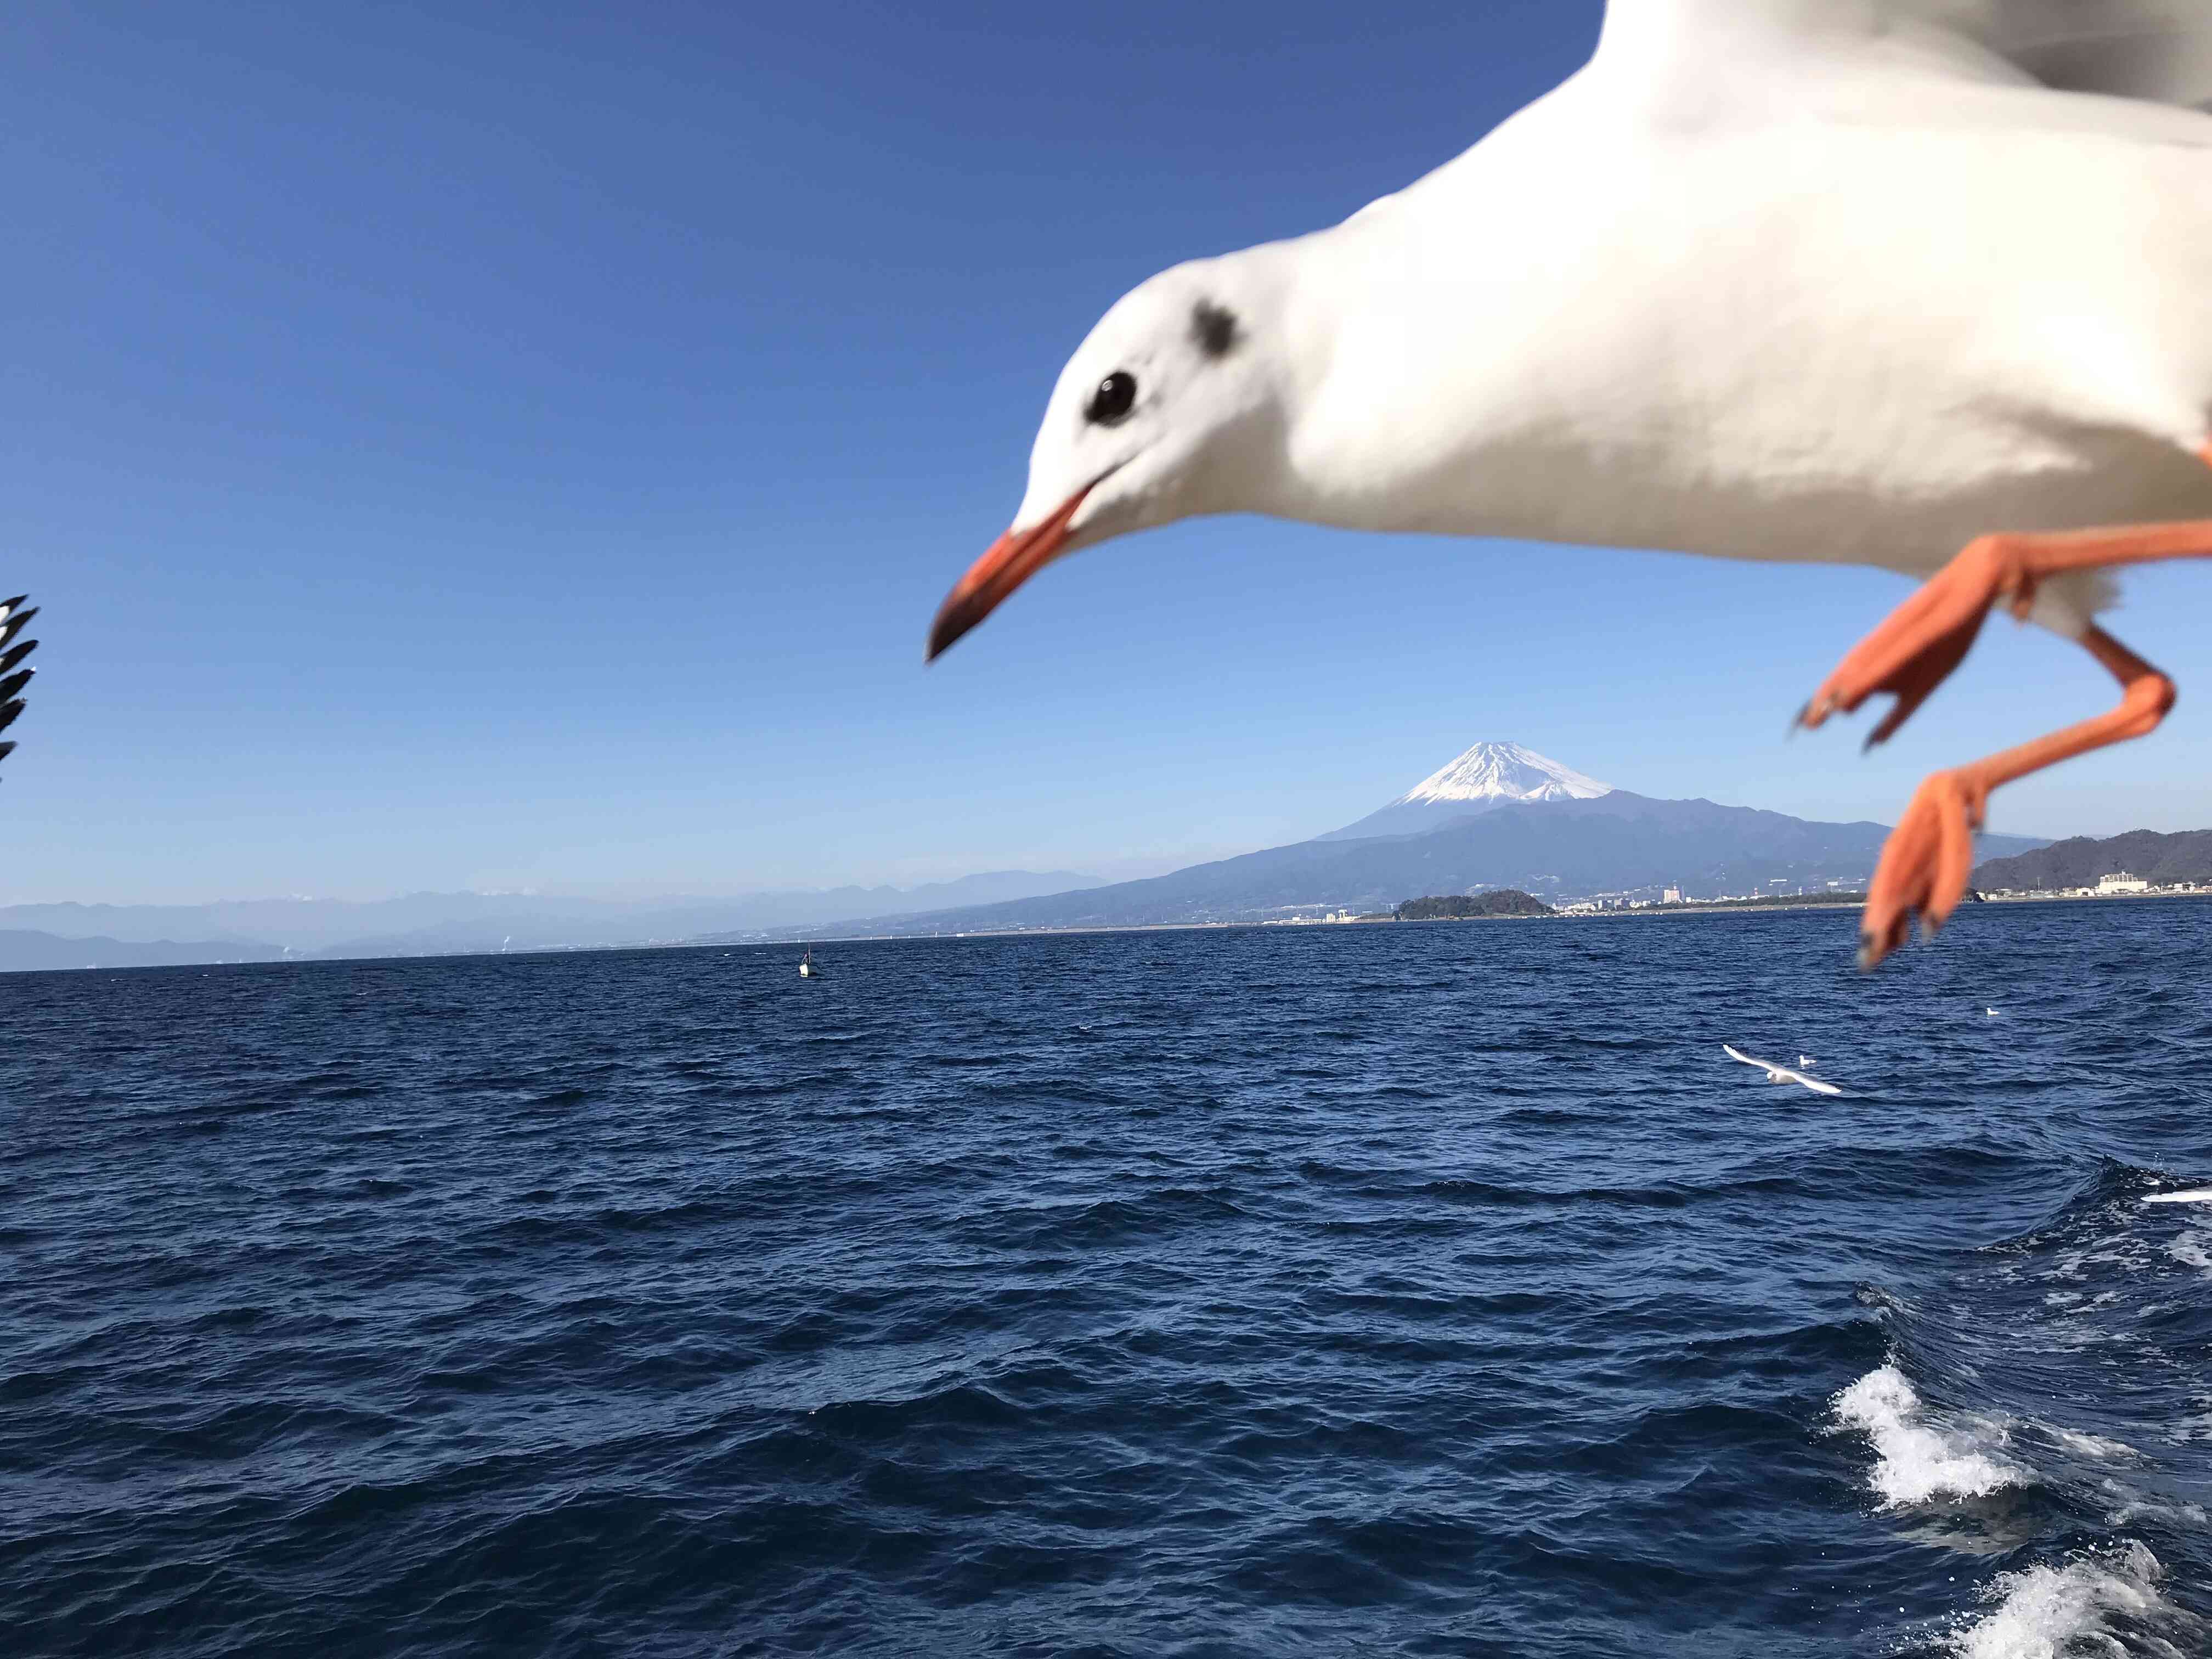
1928	857
1921	642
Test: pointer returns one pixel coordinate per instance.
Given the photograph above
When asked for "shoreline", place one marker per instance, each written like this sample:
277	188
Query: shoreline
1647	912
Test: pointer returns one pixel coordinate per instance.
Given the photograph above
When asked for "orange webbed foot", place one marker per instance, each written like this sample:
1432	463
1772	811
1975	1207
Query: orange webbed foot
1924	864
1919	643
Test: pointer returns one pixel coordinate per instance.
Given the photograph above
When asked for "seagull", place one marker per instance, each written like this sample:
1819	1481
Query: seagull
1806	1062
14	677
1778	1073
1919	284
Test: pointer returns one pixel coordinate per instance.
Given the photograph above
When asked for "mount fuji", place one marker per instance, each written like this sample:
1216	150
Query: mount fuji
1486	777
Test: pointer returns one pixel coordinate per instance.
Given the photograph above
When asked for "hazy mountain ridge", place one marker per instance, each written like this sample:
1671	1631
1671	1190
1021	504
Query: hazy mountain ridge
24	951
2159	859
419	923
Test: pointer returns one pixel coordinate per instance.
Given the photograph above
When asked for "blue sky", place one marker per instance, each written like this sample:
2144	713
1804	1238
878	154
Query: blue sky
521	446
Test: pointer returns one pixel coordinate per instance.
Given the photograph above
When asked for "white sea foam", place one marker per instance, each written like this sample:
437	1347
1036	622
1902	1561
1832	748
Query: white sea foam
2192	1249
1916	1459
2130	1506
2090	1445
2048	1611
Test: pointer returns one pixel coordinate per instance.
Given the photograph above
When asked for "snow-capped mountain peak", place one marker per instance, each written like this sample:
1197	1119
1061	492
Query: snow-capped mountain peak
1503	772
1486	777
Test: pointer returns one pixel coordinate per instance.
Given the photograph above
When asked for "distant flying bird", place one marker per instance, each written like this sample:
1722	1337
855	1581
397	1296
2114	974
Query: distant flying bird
1861	282
1806	1062
1778	1073
14	677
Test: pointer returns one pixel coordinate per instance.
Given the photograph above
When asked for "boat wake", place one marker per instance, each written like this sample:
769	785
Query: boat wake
2103	1601
2040	1404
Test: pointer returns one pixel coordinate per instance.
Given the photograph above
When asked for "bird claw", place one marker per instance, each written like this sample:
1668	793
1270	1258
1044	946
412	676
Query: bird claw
1925	865
1921	642
1873	947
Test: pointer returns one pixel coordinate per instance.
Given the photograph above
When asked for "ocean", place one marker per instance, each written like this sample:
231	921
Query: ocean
1412	1290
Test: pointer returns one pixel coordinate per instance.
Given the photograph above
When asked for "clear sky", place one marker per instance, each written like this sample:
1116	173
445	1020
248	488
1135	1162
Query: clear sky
523	446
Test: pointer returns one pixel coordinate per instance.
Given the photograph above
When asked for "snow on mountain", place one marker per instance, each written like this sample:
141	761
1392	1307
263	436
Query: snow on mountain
1487	776
1504	771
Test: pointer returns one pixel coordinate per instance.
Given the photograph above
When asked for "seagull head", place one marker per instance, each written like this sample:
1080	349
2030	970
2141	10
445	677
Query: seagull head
1171	408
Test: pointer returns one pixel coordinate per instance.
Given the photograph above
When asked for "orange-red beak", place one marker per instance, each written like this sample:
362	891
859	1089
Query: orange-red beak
1012	560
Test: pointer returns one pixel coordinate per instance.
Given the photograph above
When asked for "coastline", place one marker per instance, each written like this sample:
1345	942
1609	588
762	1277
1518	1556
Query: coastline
1648	910
823	937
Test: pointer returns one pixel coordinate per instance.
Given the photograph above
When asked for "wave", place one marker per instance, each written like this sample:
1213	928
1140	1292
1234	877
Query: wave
1917	1458
2104	1602
2059	1353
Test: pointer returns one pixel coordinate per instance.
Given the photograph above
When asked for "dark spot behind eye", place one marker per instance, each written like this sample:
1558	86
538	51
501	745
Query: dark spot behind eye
1115	397
1214	328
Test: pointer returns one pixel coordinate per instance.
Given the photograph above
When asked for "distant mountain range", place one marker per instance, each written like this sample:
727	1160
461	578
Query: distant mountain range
22	950
1510	817
1499	815
426	924
2159	859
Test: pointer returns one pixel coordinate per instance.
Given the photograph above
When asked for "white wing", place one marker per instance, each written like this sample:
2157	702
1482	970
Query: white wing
2154	51
2194	1195
1734	1054
1812	1083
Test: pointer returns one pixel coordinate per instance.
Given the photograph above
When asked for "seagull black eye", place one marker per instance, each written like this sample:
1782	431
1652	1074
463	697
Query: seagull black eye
1115	397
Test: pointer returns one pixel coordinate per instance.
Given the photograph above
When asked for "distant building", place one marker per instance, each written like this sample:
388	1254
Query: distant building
1671	896
2121	882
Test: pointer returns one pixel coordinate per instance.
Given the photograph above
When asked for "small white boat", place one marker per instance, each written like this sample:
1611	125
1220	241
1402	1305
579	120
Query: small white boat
806	968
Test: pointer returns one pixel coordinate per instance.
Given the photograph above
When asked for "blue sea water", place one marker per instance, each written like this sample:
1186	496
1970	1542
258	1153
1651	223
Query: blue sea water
1418	1290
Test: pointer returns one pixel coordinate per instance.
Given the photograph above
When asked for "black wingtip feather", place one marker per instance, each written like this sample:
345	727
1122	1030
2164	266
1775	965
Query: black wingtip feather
12	616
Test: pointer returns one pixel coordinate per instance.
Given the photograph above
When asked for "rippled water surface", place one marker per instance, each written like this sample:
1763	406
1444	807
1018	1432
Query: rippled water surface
1418	1290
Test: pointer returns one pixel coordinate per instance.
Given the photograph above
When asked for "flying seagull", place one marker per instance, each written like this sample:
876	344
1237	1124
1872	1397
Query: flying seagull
1806	1062
14	677
1920	284
1778	1073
